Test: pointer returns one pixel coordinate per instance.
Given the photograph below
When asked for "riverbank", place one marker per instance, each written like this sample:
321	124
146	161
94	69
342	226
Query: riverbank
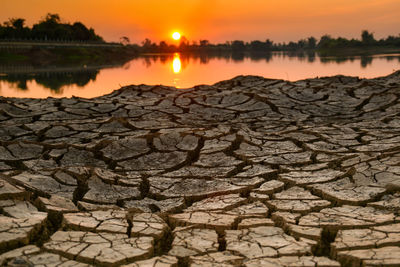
68	55
246	172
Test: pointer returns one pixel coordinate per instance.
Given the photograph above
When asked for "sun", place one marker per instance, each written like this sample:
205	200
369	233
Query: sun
176	36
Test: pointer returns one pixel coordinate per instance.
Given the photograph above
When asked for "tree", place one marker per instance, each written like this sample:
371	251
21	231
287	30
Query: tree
204	42
124	40
257	46
238	46
269	44
51	18
301	44
312	42
146	42
14	28
148	46
50	27
80	32
183	41
367	38
163	46
17	23
325	41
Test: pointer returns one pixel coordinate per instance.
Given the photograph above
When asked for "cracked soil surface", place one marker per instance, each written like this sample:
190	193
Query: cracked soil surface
246	172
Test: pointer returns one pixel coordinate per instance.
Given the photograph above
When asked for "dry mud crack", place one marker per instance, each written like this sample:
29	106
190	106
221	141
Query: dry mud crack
246	172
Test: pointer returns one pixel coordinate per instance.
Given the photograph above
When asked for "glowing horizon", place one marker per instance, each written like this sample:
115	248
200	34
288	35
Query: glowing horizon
218	20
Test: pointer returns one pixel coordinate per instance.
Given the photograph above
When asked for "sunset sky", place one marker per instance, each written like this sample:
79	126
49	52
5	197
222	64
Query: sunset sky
217	20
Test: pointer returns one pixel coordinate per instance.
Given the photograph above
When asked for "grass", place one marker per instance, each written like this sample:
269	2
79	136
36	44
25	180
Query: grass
7	56
42	56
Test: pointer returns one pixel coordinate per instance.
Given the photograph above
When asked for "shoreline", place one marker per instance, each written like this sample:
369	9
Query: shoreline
394	73
72	55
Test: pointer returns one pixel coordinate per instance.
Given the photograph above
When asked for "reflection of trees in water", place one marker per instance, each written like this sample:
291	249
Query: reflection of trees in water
52	80
391	58
260	56
17	81
126	66
365	61
147	61
337	59
204	58
239	56
164	59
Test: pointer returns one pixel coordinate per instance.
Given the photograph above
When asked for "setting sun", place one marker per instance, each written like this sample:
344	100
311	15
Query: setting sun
176	36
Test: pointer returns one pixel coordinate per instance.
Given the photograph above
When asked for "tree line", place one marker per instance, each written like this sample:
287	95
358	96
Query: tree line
50	28
326	42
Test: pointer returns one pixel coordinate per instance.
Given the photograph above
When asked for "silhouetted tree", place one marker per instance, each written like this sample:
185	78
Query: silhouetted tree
269	44
204	43
146	42
52	18
257	46
183	44
149	46
14	28
17	23
325	41
81	32
312	42
125	40
163	46
49	28
238	46
367	38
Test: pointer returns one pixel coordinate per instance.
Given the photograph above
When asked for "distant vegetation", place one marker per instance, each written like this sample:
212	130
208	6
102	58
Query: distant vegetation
325	43
50	28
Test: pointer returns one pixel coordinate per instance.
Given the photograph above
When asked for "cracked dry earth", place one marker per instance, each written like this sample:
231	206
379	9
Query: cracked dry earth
246	172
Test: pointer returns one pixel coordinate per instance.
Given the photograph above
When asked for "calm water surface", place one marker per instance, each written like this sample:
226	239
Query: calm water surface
181	71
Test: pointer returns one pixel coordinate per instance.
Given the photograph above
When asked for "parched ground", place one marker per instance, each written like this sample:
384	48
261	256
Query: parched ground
247	172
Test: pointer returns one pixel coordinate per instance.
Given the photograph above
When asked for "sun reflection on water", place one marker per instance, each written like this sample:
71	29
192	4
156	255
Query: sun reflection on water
176	63
176	67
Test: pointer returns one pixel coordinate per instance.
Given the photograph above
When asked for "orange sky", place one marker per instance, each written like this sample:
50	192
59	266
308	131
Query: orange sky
217	20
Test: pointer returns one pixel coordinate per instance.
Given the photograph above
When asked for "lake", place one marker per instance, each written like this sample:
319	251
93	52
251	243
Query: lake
182	71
